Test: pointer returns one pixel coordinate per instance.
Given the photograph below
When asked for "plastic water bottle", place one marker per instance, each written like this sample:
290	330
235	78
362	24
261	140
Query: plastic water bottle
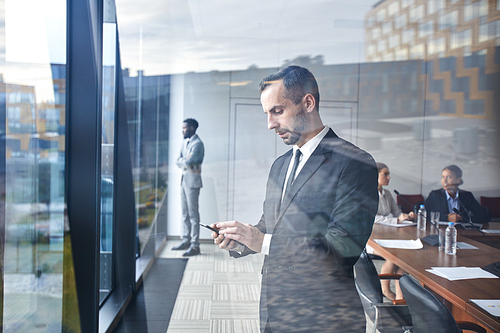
450	239
421	218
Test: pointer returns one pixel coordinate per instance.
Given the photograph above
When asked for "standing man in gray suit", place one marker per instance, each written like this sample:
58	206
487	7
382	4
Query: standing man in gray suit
321	200
190	159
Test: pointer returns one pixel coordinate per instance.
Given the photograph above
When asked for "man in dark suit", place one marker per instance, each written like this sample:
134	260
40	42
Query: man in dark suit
450	196
189	160
318	214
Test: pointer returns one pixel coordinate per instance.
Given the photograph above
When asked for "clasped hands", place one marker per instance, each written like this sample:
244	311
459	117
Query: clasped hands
244	233
454	217
406	217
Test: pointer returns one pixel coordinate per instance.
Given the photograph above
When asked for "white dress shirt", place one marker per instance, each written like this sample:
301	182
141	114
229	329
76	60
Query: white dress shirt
307	149
452	202
388	210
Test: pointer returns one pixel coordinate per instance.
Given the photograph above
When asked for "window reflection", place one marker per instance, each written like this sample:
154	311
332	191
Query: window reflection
420	86
107	159
32	201
147	100
34	194
428	47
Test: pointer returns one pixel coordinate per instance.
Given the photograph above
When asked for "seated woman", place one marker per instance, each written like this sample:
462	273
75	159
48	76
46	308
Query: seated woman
389	212
450	196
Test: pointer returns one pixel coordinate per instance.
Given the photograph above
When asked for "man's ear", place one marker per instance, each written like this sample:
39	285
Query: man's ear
309	102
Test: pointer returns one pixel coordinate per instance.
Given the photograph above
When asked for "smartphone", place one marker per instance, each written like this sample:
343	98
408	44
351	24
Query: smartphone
210	228
217	232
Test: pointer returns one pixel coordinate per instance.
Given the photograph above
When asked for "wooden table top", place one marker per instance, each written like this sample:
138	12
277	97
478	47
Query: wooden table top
459	293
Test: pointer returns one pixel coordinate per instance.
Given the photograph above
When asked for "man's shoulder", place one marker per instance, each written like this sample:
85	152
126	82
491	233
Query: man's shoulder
465	193
281	159
437	192
342	150
195	139
334	143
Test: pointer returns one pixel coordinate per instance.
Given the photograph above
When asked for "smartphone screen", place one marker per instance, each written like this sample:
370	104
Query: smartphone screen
210	228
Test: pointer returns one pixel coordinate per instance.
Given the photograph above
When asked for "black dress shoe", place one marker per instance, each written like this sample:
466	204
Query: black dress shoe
193	251
182	246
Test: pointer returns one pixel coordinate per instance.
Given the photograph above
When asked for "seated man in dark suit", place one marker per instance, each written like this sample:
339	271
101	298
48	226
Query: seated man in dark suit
450	196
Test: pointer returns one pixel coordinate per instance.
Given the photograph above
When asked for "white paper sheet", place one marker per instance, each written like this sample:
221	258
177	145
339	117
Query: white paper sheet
491	231
465	246
464	224
489	305
413	244
399	225
461	273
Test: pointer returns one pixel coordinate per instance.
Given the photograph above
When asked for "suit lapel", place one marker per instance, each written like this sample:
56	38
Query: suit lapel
187	145
312	164
190	144
278	188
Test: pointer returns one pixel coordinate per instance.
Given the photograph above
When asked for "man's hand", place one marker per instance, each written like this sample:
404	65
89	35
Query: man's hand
453	217
223	242
242	232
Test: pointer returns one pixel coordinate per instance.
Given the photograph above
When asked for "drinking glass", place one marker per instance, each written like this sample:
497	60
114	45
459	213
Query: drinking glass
435	219
441	239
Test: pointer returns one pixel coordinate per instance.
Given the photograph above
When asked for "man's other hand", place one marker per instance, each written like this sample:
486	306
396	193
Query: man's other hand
223	242
242	232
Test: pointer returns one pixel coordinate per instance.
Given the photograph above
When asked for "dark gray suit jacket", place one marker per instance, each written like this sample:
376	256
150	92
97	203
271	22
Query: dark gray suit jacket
318	233
189	160
437	202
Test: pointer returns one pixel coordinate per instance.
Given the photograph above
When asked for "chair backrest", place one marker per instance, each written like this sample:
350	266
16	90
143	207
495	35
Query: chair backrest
367	284
493	204
427	312
408	201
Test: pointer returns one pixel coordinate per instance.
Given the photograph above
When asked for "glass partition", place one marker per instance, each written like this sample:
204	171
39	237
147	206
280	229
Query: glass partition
413	82
147	100
420	73
33	81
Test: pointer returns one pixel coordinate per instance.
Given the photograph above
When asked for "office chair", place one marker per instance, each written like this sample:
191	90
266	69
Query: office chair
407	202
385	317
493	204
428	313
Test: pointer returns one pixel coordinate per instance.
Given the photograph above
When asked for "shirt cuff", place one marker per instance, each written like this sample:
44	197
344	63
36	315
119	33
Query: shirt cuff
239	248
266	244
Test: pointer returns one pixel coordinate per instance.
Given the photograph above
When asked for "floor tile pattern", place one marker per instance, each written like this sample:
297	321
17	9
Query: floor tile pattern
218	294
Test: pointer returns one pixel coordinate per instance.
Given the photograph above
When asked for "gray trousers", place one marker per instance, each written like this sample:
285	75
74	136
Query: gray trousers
190	215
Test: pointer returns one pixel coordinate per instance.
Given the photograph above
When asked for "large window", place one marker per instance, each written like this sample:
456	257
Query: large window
214	62
33	164
108	112
404	80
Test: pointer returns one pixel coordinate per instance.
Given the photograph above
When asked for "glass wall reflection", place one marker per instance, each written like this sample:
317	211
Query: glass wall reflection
147	101
413	82
33	81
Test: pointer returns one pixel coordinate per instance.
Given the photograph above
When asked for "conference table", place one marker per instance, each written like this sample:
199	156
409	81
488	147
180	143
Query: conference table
456	295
